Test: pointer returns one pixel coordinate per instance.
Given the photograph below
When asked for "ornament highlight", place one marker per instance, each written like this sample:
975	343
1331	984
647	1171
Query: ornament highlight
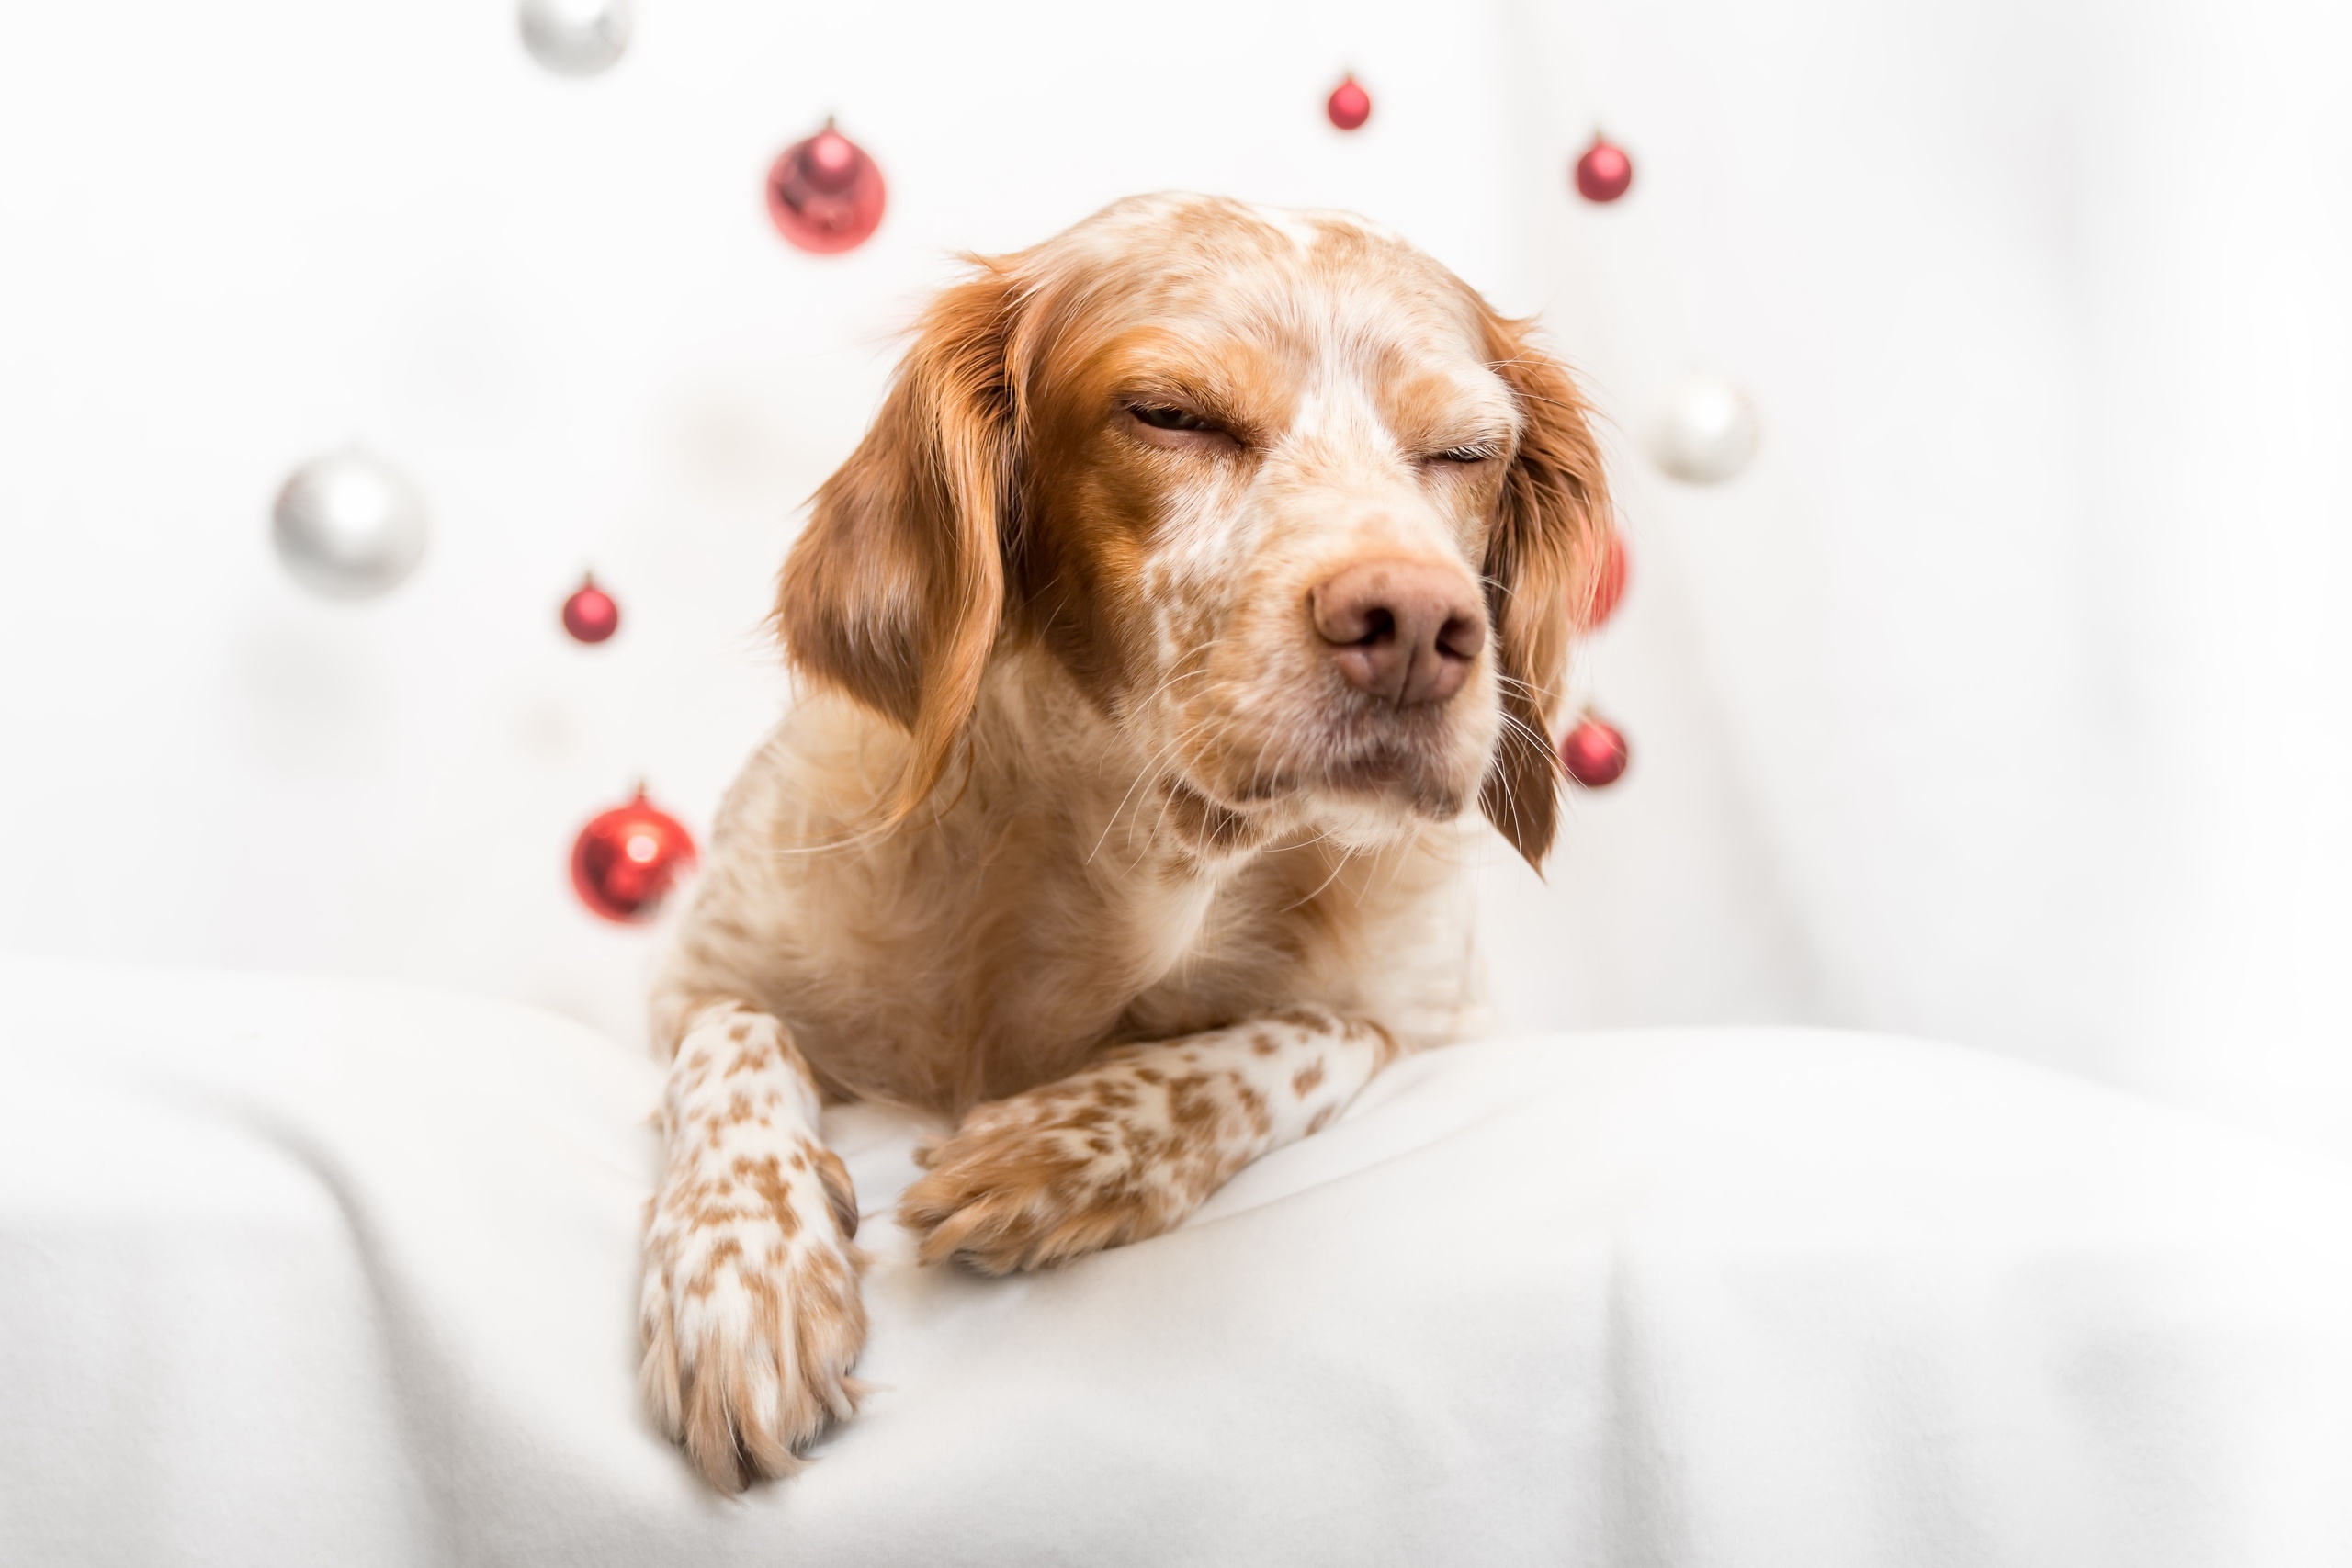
1605	172
349	526
825	194
1607	584
626	860
1705	432
576	38
1350	106
589	615
1594	752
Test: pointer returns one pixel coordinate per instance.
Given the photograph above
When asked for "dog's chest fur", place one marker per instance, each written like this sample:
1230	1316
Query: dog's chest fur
1047	911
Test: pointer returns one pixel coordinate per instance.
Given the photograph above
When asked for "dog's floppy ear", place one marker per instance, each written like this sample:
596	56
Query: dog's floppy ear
894	590
1539	560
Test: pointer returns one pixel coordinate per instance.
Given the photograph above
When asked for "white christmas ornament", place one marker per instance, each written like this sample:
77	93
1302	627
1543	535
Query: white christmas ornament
349	526
576	38
1705	432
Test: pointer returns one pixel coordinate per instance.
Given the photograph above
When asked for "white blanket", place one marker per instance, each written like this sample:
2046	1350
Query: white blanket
318	1273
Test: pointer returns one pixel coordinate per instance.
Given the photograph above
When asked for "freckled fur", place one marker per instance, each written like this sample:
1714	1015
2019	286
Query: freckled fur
1076	835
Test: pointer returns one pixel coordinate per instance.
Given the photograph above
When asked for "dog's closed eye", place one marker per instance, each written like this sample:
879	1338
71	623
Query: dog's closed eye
1170	418
1168	426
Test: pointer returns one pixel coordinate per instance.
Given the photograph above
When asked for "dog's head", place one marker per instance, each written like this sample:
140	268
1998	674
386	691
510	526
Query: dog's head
1301	515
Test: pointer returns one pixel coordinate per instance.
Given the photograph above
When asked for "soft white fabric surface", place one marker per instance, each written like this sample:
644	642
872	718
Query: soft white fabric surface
307	1272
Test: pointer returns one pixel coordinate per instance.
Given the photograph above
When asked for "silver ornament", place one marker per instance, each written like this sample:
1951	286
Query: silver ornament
1705	432
349	526
576	38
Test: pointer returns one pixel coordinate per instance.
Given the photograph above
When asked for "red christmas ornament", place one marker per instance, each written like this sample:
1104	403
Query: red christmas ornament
1594	752
625	860
589	615
1607	584
825	194
1350	106
1604	172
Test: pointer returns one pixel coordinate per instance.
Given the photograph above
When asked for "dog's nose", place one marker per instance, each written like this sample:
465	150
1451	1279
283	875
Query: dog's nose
1405	631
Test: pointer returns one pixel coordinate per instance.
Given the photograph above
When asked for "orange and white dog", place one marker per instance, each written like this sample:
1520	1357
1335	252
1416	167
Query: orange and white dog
1205	566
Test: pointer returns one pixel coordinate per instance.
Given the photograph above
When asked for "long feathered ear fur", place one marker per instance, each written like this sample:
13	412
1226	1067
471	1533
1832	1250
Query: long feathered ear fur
895	590
1539	564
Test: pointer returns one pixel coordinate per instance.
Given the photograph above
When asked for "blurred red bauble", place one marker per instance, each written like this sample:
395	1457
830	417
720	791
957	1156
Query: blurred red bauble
1594	753
589	615
1607	584
1604	172
626	860
1350	106
825	194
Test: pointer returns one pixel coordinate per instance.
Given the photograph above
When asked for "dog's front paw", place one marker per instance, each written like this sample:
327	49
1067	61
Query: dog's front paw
1093	1161
750	1310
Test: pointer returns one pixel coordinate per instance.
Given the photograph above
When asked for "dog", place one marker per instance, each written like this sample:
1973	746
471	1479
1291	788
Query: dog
1206	572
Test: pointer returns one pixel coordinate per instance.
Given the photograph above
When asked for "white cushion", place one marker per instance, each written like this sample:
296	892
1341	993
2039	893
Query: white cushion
312	1272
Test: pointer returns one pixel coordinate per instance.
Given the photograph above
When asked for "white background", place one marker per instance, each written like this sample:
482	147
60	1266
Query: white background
2002	700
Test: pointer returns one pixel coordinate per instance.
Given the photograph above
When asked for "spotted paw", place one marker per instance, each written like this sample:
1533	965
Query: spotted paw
750	1309
1114	1155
